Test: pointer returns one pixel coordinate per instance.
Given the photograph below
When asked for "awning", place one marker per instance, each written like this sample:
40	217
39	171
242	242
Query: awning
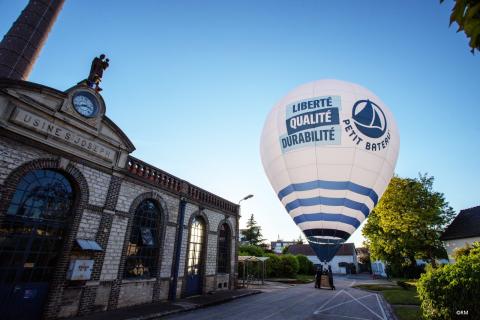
89	245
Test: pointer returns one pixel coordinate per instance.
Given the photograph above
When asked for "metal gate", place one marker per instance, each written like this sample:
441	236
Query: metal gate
31	234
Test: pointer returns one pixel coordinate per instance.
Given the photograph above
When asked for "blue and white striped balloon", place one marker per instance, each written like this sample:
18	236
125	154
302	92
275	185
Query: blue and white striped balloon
329	149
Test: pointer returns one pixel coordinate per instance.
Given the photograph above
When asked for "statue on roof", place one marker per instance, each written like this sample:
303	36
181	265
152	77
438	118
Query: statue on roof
99	64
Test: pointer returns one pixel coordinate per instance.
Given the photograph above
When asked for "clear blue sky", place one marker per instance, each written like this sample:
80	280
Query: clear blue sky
191	82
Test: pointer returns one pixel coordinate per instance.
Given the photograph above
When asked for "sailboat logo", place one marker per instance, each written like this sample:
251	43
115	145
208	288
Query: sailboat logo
369	118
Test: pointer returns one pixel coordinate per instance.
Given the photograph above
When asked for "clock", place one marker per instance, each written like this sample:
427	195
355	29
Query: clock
85	104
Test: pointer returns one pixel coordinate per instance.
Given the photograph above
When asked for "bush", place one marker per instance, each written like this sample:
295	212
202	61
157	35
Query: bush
451	288
289	265
305	266
250	250
274	266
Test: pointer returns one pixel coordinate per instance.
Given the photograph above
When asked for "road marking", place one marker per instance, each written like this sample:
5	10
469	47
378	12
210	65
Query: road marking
326	302
381	308
373	312
281	310
342	303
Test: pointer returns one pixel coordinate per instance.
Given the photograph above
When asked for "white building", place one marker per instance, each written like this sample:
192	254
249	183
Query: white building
346	255
279	245
464	230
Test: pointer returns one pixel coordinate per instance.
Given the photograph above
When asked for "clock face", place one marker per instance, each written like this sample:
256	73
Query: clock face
85	104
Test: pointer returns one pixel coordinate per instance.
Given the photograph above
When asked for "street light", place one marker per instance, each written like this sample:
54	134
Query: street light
238	237
246	198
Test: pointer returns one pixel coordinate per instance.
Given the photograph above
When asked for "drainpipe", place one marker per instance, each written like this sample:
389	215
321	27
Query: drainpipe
178	241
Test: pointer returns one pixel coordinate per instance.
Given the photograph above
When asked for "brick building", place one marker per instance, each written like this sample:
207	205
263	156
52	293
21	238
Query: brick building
86	227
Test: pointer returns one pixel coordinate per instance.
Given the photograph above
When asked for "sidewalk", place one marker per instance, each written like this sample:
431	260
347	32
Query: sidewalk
161	309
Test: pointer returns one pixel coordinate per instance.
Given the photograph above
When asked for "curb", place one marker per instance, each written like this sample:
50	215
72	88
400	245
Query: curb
193	307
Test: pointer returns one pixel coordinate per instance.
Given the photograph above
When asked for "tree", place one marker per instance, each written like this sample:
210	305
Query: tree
250	250
451	291
252	233
466	13
407	223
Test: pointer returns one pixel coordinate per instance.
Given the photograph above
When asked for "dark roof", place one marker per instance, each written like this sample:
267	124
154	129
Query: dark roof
465	225
362	251
347	249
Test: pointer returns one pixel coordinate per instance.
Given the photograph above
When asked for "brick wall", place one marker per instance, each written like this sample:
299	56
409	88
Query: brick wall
128	192
135	292
88	225
114	249
168	251
14	154
98	183
105	218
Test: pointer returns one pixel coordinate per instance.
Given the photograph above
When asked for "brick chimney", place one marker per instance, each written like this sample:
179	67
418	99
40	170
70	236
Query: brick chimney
21	45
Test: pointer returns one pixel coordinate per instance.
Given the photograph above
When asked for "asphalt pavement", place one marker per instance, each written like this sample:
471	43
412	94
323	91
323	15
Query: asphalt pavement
291	302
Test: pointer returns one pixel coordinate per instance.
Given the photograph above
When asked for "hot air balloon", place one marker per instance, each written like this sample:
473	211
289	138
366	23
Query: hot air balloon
329	149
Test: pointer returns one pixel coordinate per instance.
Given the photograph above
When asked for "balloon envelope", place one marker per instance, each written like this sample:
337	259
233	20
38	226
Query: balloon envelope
329	149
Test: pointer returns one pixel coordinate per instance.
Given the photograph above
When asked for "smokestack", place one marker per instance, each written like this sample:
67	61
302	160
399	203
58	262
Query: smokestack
21	45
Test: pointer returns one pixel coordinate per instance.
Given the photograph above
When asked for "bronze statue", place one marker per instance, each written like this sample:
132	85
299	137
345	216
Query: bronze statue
99	64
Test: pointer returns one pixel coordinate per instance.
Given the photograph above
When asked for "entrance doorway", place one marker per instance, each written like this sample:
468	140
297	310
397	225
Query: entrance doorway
31	238
195	257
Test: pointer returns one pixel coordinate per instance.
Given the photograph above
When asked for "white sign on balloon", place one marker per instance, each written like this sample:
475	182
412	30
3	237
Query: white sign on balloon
329	149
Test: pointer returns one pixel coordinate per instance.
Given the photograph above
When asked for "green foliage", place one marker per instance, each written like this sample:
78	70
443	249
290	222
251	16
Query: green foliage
450	288
274	266
407	312
466	13
285	250
252	233
289	265
465	251
402	296
250	250
375	287
305	266
406	225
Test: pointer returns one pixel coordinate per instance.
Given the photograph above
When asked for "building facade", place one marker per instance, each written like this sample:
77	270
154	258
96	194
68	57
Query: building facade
463	231
279	245
86	227
346	257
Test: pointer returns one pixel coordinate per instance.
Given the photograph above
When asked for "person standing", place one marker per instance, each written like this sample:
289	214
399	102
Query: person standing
318	277
330	278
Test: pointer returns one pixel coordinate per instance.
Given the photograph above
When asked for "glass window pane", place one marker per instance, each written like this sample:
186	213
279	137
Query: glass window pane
142	252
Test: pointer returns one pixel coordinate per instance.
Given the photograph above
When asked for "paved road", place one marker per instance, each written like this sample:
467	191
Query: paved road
299	302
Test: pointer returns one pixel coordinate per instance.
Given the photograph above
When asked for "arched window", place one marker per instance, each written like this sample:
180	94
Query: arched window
142	251
31	233
195	246
223	254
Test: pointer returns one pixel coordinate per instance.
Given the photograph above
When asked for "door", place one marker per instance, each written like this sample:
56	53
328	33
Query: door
195	257
31	234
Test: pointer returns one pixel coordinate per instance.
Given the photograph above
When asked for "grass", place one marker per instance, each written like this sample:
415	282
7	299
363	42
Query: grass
402	296
405	302
305	278
299	279
407	312
376	287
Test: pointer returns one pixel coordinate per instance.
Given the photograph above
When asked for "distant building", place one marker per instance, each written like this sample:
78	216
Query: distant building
346	255
279	245
464	229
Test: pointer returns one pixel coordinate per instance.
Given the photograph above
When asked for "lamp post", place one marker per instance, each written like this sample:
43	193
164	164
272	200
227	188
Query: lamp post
238	238
245	198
